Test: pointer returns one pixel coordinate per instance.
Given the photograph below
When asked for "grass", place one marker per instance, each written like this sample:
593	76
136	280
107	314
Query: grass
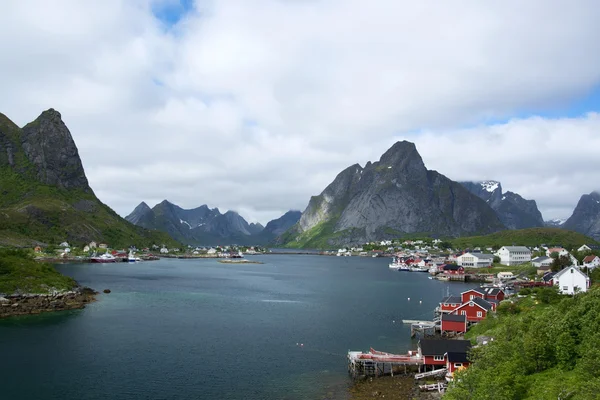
20	273
525	237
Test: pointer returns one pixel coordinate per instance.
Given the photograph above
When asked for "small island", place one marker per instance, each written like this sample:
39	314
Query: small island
238	261
31	287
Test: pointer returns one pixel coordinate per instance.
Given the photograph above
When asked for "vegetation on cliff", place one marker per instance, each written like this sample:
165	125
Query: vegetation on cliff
45	196
20	273
544	347
525	237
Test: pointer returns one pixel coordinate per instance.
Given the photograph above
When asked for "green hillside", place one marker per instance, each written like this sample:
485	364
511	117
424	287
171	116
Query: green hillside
545	347
525	237
45	197
19	272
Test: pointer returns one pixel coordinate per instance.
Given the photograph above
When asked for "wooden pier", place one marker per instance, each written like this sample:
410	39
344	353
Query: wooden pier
378	363
425	328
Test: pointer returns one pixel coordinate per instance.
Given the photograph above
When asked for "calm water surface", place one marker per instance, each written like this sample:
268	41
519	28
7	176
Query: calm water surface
198	329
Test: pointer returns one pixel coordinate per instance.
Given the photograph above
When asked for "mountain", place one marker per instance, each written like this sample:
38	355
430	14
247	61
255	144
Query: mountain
513	210
198	226
46	197
278	226
392	197
138	213
586	216
556	223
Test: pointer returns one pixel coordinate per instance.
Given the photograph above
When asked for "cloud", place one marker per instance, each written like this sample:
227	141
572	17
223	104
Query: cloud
255	106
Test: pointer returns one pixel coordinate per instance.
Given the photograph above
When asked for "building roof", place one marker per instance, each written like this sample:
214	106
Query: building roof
545	268
451	267
484	256
433	347
452	300
540	259
454	318
457	357
492	291
589	259
572	269
516	248
482	303
548	276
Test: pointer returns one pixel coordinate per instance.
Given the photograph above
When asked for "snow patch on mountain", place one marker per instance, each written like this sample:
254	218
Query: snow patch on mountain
490	186
185	222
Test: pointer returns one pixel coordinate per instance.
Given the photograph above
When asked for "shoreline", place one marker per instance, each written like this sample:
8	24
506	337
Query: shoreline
399	387
35	303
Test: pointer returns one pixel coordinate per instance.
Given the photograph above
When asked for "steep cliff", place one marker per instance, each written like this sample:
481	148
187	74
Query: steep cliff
586	216
395	196
46	197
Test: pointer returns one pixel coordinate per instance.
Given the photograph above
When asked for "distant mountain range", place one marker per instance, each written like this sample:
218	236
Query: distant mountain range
205	226
513	210
46	197
392	197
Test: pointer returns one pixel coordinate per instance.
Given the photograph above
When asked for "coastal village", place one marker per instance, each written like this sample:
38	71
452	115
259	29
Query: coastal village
442	349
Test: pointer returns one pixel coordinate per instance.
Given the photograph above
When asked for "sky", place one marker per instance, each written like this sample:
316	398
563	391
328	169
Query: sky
255	106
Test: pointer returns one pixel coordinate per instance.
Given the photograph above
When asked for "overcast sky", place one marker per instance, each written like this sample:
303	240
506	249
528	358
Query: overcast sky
256	105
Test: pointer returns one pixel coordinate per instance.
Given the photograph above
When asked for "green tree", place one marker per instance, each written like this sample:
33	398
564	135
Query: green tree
560	263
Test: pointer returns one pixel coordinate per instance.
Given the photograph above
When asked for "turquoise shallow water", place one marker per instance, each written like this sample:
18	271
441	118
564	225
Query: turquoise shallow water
198	329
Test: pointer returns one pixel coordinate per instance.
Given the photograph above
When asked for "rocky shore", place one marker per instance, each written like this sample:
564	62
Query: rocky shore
29	303
390	387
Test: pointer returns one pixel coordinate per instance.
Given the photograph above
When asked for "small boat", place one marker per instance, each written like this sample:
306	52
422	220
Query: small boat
104	258
132	258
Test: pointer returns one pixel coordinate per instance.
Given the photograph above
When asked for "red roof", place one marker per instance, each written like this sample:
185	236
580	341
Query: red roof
589	259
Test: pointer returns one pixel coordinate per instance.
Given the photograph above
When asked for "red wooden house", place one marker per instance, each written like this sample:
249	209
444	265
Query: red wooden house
450	304
471	294
493	293
475	309
434	352
452	323
453	269
456	361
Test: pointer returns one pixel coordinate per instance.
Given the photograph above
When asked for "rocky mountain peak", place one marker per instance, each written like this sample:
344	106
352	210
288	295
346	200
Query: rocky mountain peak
49	146
403	155
138	213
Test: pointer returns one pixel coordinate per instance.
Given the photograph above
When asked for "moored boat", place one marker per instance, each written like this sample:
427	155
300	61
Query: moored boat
104	258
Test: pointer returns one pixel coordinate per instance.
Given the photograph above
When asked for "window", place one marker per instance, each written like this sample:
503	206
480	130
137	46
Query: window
463	312
471	304
438	358
453	305
457	365
471	297
479	314
565	288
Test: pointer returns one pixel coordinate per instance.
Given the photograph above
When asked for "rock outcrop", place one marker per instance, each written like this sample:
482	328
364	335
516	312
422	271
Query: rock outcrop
25	304
586	216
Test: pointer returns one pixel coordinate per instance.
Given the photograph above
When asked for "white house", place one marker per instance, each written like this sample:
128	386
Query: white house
92	245
591	262
505	275
164	250
385	243
64	244
211	251
559	250
585	247
570	280
475	260
514	255
86	248
542	261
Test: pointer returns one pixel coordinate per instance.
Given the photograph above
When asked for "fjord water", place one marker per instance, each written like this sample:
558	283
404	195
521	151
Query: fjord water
198	329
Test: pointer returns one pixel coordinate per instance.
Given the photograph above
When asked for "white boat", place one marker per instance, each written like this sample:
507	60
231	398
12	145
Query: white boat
104	258
132	258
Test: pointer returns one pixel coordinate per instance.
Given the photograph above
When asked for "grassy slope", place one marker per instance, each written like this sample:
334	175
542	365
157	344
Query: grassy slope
31	212
19	272
544	347
525	237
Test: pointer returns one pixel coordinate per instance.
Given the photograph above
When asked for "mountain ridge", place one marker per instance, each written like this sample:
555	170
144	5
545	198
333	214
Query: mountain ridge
586	216
388	198
514	211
